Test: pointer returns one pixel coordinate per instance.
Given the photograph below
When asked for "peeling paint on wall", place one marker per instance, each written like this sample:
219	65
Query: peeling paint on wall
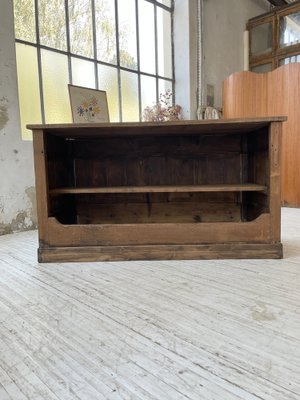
30	191
25	219
3	116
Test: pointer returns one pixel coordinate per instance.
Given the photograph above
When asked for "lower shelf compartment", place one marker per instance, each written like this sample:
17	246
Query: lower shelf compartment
160	252
59	235
141	208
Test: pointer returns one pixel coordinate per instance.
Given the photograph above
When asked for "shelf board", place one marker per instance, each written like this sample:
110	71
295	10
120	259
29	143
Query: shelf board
245	187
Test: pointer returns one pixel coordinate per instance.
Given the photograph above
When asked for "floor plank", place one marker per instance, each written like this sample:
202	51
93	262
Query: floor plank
216	329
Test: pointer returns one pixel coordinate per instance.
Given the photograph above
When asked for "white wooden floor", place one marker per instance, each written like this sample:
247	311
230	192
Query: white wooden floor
201	330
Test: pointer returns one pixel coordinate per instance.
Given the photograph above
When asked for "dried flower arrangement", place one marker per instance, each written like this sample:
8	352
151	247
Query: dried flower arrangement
164	110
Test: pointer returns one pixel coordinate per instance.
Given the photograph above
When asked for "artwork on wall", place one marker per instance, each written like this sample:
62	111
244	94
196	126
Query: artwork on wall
88	105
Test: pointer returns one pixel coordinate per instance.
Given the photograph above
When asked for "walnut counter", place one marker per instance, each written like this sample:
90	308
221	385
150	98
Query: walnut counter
180	190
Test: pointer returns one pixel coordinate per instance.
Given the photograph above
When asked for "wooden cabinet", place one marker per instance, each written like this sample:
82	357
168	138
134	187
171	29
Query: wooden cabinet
178	190
250	95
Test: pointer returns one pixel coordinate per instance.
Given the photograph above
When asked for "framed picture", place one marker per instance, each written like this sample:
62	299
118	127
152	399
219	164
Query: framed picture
88	105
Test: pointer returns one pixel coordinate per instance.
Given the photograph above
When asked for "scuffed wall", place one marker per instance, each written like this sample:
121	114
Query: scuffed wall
17	193
223	25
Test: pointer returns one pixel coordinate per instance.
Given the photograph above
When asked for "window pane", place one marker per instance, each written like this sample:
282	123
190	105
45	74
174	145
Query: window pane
25	20
108	81
127	33
164	43
28	86
52	24
165	2
81	32
148	91
262	68
83	73
55	87
106	31
164	86
289	60
289	29
130	101
261	38
147	37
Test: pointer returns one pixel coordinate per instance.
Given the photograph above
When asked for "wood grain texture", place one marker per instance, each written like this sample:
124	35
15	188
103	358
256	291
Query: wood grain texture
246	94
257	231
249	187
188	184
152	330
160	252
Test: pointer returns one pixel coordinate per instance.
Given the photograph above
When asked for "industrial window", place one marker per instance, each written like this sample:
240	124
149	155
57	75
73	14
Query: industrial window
274	38
122	47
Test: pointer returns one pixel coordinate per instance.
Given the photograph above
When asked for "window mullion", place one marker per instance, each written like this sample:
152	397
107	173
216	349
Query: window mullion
68	41
156	51
118	60
95	42
138	57
39	59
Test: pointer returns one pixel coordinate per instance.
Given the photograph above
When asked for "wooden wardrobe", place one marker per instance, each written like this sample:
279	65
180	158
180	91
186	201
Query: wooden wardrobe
276	93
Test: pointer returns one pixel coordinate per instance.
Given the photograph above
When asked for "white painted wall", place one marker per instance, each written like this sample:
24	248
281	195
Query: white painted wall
186	57
17	194
224	22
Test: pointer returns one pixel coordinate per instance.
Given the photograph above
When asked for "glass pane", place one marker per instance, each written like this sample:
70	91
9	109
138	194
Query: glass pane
164	86
289	29
28	86
147	37
25	20
52	24
130	100
165	2
261	38
127	33
108	81
262	68
164	43
83	73
289	60
106	31
81	32
55	87
148	91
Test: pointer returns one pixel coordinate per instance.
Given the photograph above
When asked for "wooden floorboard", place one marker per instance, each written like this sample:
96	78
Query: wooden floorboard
202	330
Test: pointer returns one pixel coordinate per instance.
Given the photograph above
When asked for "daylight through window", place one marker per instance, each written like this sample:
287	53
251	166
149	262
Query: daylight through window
122	47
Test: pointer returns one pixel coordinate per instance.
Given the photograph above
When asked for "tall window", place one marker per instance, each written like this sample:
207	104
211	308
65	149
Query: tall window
121	46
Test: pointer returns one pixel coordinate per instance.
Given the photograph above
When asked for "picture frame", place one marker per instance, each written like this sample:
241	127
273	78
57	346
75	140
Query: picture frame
88	105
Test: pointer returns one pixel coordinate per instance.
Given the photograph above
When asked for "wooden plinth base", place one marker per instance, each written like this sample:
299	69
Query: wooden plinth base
160	252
